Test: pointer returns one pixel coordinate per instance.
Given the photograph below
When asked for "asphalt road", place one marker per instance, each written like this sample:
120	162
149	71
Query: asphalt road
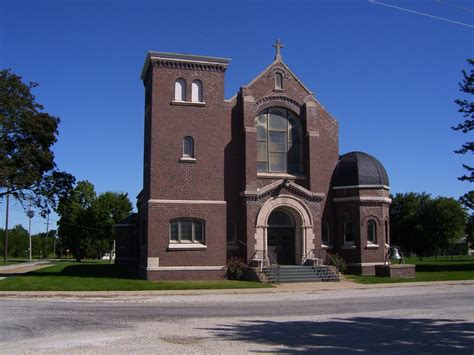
426	319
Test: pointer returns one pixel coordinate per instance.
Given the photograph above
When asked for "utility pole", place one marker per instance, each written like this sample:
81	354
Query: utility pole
5	239
47	231
30	214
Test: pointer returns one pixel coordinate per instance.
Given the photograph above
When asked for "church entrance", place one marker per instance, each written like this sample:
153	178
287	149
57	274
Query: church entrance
281	237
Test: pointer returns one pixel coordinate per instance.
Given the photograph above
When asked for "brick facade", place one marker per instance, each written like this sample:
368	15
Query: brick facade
219	184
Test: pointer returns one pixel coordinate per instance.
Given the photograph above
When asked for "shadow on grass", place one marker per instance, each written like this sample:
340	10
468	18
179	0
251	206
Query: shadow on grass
90	270
359	334
453	266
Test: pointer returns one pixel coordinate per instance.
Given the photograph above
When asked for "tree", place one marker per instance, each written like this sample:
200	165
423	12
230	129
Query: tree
424	225
27	167
72	211
86	220
466	107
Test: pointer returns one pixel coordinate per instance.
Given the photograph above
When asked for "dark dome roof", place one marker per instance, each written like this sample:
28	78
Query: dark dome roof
359	168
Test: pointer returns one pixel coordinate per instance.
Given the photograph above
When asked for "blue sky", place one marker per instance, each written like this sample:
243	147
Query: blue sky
388	75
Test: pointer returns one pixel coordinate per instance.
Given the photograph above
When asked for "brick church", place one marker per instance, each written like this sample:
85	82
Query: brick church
258	176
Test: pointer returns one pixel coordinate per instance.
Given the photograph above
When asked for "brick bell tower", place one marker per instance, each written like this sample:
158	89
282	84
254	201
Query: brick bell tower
182	209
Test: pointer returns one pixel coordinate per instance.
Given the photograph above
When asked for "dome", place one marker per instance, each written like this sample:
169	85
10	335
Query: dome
359	168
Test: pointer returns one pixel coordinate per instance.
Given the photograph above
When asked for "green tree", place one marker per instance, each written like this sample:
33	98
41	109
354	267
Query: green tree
424	225
86	220
27	167
73	216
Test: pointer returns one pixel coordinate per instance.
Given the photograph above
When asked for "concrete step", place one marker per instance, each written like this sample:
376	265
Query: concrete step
298	273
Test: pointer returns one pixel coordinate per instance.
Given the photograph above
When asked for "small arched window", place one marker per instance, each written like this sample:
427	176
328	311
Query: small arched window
348	233
180	90
371	232
231	232
325	233
196	91
188	147
278	81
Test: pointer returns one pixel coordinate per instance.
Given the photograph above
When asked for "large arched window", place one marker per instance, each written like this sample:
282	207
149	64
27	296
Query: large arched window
196	91
371	232
279	141
180	90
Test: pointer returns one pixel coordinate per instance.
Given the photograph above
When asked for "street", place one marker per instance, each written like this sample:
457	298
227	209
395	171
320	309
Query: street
429	319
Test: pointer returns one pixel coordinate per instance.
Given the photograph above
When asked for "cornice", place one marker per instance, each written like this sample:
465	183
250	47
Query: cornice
273	190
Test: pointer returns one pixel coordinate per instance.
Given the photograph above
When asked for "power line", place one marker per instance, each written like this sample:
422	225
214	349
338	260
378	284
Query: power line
454	5
421	13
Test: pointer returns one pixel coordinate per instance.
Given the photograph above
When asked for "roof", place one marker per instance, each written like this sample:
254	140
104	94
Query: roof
359	169
181	57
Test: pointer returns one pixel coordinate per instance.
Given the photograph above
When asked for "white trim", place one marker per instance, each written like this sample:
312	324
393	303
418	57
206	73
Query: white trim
191	202
324	246
186	246
312	134
186	268
385	187
280	176
362	199
372	246
187	160
188	103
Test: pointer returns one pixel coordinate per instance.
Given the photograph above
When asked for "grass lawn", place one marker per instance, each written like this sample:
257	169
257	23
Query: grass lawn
427	270
100	276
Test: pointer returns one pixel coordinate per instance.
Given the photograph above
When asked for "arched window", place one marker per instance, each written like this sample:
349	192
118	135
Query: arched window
196	91
348	233
187	230
279	141
280	218
387	239
278	81
325	233
371	232
231	232
188	147
180	90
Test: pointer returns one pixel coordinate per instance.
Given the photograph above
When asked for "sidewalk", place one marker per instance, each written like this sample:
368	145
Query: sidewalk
21	268
306	287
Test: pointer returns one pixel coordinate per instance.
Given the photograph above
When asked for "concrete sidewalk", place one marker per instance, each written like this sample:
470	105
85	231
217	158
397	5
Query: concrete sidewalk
21	268
306	287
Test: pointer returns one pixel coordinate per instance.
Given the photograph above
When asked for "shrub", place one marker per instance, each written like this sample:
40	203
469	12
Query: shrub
338	262
236	268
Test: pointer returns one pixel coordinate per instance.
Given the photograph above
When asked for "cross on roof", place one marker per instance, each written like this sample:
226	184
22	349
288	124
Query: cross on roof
278	45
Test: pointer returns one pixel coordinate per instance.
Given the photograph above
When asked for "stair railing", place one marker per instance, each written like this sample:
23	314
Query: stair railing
264	258
312	257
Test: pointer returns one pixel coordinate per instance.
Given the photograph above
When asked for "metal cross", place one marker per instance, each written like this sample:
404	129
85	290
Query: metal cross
278	45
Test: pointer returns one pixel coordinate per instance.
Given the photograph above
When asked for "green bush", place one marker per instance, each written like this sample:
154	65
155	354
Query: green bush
236	268
338	262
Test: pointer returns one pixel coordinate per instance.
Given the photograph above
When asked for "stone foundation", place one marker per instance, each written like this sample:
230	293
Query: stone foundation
398	271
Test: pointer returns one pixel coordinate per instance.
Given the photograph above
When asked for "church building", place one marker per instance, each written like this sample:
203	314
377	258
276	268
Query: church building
258	176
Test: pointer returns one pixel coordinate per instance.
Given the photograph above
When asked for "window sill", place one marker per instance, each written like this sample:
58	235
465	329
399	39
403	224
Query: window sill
183	246
187	103
187	160
325	246
349	246
280	176
371	246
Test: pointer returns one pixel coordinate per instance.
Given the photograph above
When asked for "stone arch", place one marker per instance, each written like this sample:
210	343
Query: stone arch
371	216
304	230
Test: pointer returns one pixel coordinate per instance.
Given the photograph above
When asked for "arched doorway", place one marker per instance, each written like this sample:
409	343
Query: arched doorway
281	237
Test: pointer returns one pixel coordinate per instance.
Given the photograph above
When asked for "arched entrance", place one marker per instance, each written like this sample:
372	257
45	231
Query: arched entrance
281	237
284	219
